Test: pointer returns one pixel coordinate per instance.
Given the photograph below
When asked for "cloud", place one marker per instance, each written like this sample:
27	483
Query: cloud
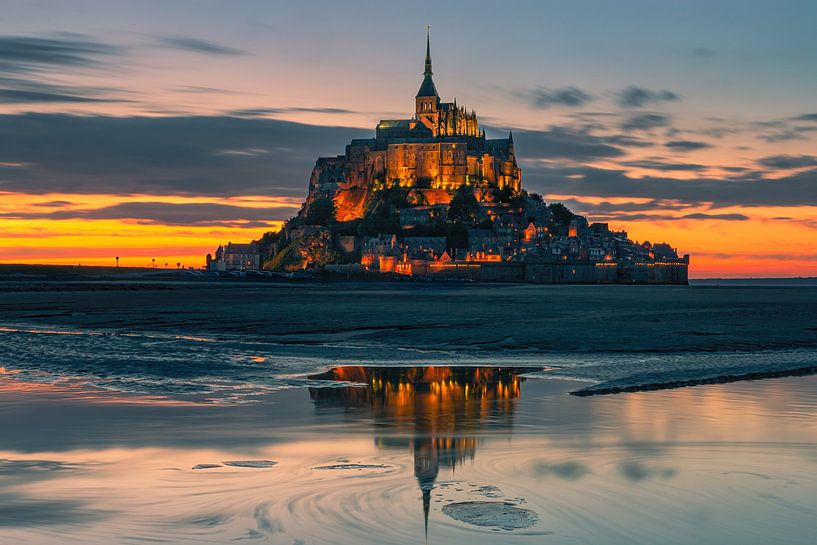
686	145
28	91
542	97
19	96
667	217
261	112
747	189
563	143
806	117
191	214
25	63
637	97
788	161
702	52
725	217
196	45
32	53
645	122
644	210
661	165
62	153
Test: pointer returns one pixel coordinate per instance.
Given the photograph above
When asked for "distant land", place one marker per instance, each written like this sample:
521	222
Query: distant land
25	273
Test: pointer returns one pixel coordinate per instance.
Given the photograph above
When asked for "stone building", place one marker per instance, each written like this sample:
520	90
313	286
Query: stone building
440	147
235	257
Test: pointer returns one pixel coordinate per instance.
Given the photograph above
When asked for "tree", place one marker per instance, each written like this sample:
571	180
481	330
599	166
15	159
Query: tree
456	237
464	206
321	211
561	214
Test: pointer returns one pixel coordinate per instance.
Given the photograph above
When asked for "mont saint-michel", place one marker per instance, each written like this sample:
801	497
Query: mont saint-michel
432	196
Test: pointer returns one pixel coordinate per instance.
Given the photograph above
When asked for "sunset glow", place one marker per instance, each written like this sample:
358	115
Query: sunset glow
162	145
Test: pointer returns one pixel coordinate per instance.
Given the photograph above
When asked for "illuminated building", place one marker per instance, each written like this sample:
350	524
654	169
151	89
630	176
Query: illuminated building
441	148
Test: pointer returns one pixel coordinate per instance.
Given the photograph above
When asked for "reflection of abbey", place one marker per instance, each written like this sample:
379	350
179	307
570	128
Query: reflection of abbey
436	412
441	147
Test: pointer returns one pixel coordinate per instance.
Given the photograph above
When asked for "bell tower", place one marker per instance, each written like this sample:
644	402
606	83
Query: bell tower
427	101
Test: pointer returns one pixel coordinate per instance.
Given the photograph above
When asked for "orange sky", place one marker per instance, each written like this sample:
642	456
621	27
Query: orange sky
656	96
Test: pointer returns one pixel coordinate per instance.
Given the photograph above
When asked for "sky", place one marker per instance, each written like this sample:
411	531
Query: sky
159	129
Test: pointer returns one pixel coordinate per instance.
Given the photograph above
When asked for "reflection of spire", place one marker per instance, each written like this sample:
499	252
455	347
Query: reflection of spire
442	408
426	468
426	509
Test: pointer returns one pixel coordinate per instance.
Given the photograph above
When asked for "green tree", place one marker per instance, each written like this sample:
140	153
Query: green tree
456	236
464	206
561	213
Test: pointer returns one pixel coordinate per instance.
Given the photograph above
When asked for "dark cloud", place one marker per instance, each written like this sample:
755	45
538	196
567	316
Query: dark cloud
637	97
53	204
18	90
788	161
806	117
652	210
667	217
163	155
18	96
686	145
727	217
748	189
783	130
209	214
782	136
702	52
26	62
31	53
261	112
67	95
198	46
627	141
567	96
563	143
645	122
665	166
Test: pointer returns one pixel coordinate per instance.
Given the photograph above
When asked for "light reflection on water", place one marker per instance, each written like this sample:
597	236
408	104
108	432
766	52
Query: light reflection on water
716	464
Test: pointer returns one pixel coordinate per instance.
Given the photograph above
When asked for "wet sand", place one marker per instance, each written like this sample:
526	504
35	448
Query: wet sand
180	412
470	456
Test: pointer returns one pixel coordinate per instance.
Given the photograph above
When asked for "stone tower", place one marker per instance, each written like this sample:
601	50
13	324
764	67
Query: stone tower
427	101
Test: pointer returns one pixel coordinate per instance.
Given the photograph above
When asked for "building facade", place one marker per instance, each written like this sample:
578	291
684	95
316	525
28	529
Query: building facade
440	147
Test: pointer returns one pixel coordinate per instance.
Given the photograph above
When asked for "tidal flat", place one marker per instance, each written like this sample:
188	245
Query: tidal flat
339	414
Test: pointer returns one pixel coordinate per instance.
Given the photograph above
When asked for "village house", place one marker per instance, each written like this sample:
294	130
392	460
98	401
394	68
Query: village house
235	257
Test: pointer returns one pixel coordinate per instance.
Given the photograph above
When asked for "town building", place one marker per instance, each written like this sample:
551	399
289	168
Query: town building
235	257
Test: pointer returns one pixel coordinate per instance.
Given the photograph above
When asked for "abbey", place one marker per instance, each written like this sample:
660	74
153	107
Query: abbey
442	147
432	197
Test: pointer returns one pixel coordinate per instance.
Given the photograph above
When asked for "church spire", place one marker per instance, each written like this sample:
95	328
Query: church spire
427	88
428	72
